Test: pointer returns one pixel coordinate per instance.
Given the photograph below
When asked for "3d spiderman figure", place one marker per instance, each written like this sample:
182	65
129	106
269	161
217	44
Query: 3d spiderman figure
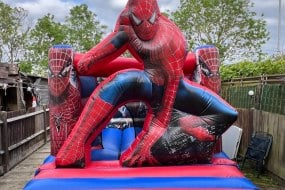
63	92
207	70
156	42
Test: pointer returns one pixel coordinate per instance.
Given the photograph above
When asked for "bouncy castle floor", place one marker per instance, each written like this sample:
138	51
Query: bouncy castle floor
110	175
105	172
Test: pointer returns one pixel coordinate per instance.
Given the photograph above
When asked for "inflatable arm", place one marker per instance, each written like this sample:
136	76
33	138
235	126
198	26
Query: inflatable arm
110	67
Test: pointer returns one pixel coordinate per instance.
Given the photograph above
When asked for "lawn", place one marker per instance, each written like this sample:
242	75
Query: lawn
265	180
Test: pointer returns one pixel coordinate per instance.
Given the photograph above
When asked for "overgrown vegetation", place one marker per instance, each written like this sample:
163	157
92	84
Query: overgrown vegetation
231	26
263	181
271	66
27	44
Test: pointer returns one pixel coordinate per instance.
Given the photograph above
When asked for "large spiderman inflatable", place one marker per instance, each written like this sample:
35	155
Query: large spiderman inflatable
184	117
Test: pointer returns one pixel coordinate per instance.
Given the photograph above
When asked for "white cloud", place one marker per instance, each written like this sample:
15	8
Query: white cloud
108	11
271	21
120	3
270	9
168	5
261	4
39	8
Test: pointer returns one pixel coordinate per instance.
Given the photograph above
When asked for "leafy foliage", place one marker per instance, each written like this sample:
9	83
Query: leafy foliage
81	30
274	65
13	32
46	33
227	24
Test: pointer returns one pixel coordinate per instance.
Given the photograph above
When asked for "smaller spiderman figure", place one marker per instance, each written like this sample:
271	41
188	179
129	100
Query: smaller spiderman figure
159	44
64	95
207	71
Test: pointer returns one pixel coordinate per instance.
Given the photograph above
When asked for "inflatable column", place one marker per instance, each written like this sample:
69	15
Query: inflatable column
64	92
207	70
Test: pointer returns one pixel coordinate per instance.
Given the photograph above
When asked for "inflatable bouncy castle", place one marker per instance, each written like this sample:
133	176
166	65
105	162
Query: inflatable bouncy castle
153	122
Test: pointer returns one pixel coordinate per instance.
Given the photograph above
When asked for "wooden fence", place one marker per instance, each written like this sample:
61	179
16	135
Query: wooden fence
251	120
262	110
265	93
21	135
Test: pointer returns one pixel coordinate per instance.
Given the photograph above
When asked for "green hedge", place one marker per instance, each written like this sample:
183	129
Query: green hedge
249	69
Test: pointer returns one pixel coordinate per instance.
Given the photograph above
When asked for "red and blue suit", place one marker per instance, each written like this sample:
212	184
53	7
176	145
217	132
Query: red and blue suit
158	44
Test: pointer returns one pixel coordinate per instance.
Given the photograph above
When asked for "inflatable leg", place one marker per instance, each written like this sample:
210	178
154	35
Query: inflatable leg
196	126
197	100
139	154
72	152
111	93
199	116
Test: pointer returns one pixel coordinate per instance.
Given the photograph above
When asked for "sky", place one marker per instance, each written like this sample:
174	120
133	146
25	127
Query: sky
108	10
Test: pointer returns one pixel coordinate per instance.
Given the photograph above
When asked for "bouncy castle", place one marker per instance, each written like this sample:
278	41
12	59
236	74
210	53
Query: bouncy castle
153	121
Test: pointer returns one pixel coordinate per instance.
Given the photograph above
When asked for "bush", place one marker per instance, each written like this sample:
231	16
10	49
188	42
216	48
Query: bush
272	66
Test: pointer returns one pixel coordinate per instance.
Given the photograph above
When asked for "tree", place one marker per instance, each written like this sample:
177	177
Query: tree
83	29
44	35
13	32
230	25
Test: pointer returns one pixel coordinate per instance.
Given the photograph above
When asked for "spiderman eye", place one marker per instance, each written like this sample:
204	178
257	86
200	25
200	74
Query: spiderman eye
206	72
63	74
66	68
136	19
205	69
152	18
50	73
65	71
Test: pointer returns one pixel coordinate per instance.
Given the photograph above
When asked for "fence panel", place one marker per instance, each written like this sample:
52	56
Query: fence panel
251	120
268	93
273	98
244	121
263	110
21	135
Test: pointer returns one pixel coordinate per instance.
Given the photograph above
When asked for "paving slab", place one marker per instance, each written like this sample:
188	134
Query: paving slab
17	178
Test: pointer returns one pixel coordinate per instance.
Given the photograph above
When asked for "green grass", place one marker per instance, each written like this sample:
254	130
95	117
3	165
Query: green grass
264	180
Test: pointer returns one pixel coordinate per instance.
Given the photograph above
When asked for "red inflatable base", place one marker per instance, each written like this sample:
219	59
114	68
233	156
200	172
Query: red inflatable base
222	174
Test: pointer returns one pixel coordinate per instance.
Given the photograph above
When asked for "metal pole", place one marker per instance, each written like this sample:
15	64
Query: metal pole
45	123
279	27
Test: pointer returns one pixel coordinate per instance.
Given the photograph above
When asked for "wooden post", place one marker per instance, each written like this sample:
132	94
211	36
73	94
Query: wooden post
3	116
1	148
45	123
251	121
